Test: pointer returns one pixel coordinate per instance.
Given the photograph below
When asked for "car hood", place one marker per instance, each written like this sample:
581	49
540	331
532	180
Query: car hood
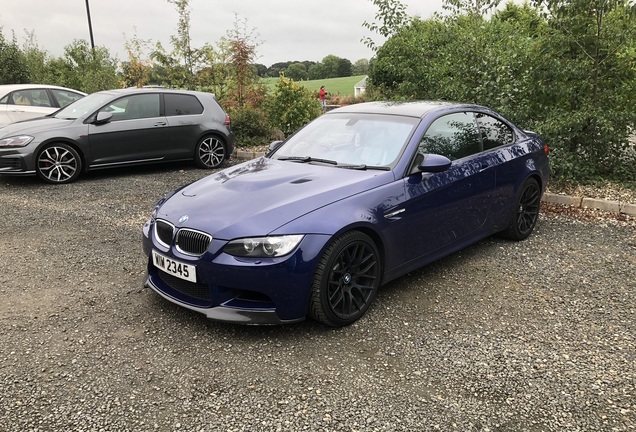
33	126
257	197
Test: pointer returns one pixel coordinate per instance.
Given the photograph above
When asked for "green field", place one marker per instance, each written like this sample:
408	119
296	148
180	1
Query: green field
335	86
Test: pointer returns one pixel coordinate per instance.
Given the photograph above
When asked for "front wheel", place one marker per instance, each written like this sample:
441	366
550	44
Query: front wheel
210	153
526	211
346	280
58	164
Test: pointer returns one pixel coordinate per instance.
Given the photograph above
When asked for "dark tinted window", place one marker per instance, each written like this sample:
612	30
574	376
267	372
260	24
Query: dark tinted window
182	104
494	133
134	107
454	136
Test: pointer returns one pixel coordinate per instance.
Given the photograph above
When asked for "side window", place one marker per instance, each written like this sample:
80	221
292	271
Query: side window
33	97
41	98
494	133
182	104
134	107
65	97
454	136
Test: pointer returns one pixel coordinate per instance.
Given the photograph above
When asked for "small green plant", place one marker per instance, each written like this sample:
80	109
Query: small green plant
251	127
292	106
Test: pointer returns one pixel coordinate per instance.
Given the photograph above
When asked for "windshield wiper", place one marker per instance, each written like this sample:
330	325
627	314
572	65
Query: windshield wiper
307	159
364	167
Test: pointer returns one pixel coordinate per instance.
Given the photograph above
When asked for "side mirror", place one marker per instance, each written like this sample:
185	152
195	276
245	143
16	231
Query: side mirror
103	117
433	163
274	145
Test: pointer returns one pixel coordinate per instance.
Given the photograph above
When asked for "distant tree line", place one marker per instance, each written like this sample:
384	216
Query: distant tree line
330	67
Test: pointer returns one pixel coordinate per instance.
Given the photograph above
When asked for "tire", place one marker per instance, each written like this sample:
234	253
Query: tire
526	211
58	164
210	153
346	281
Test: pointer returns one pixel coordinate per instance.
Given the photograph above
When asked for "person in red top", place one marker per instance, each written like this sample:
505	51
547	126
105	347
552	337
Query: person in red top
322	93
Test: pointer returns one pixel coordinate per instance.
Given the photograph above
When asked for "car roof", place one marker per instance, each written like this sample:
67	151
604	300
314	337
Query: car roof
403	108
150	89
6	88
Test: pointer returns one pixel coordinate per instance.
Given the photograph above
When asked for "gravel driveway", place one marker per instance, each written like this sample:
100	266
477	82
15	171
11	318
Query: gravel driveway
531	336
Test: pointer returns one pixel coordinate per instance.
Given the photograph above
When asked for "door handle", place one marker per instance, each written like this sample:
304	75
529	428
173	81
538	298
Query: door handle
160	124
394	213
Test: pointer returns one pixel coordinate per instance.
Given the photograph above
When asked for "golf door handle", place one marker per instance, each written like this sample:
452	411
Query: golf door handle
160	124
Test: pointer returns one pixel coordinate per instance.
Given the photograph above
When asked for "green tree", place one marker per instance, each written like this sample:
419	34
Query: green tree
360	67
297	72
242	42
136	71
566	70
86	69
261	69
317	71
470	7
331	66
292	106
593	87
344	68
392	16
276	69
37	61
13	64
181	62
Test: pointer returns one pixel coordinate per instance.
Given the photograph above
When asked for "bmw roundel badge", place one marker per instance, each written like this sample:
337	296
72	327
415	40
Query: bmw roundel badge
183	218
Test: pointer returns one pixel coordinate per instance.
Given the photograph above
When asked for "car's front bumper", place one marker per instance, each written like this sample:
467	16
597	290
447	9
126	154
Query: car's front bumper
14	163
228	314
243	291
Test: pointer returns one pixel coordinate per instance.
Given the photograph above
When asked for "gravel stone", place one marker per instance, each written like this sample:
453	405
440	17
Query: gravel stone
531	336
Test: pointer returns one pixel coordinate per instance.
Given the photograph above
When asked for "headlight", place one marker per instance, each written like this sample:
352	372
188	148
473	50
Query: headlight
16	141
263	247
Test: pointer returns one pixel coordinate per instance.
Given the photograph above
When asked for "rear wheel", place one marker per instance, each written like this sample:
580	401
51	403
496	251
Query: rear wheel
526	213
210	153
346	280
58	163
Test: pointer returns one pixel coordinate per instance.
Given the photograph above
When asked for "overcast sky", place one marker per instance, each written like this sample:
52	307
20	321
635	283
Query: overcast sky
287	30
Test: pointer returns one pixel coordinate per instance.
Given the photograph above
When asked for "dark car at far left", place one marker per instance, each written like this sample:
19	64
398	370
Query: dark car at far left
115	128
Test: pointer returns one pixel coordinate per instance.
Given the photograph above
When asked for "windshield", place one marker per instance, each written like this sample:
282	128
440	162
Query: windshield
350	139
81	107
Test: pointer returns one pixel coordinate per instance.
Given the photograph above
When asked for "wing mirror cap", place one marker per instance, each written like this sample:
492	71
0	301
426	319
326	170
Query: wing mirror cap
274	145
435	163
103	117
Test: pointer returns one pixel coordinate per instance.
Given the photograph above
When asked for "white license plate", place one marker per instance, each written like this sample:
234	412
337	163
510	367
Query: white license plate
175	268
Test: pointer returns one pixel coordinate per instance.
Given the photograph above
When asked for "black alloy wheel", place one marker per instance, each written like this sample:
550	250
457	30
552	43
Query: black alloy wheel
346	280
58	163
526	211
210	153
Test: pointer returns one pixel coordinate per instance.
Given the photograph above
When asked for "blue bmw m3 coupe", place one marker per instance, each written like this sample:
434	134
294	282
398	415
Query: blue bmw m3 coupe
356	198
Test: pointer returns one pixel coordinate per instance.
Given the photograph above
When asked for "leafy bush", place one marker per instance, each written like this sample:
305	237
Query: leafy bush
291	106
569	76
252	127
